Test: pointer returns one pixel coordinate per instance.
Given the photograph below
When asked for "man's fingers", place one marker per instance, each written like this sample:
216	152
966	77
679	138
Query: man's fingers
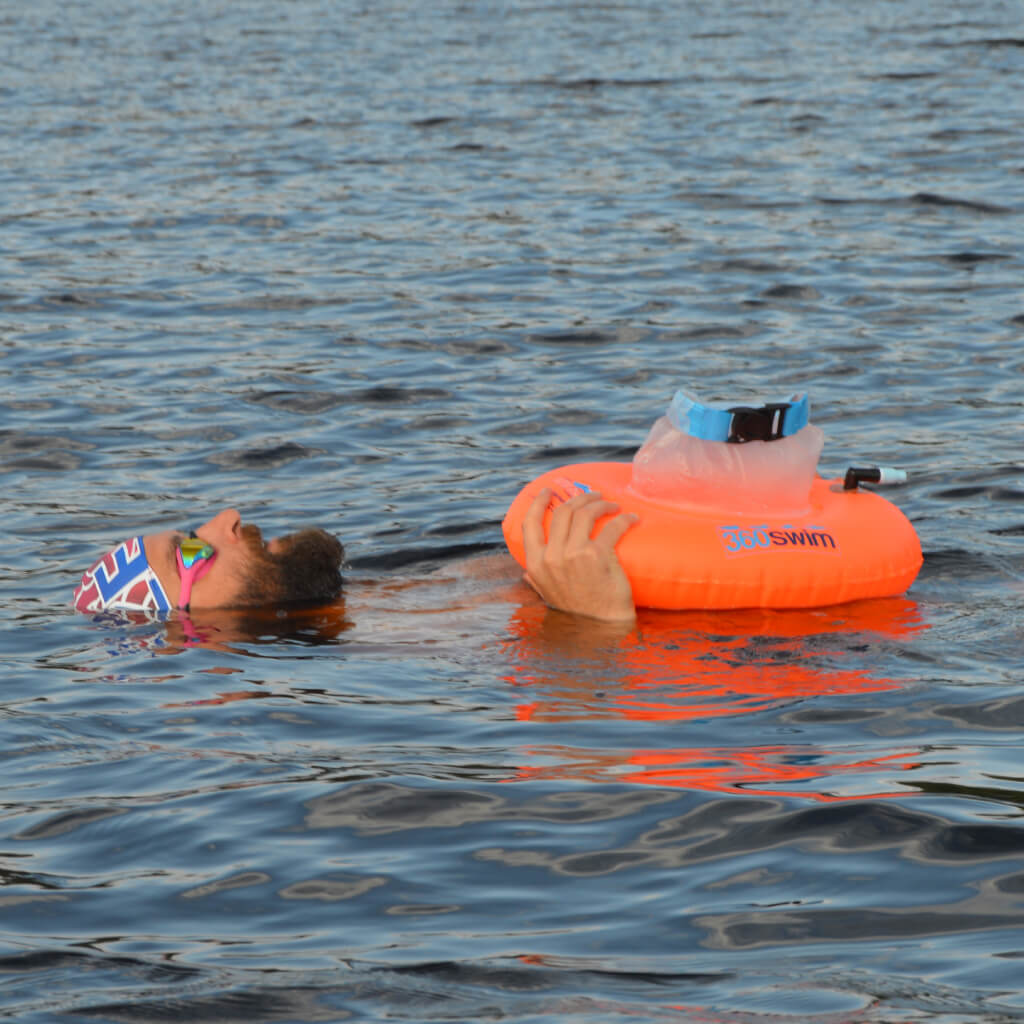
533	521
586	516
572	522
566	516
614	530
571	570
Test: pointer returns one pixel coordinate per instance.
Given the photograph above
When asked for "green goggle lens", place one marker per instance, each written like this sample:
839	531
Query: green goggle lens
194	550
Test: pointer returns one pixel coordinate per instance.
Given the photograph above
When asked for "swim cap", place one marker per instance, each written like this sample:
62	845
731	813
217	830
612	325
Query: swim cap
122	578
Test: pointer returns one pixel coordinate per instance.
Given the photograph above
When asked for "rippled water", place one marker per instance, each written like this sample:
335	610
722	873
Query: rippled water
373	267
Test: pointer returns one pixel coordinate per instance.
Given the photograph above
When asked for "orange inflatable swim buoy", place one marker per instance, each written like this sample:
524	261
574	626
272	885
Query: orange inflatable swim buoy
732	514
848	545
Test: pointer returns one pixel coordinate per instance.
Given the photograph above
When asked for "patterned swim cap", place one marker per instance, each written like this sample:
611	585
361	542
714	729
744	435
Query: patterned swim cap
122	578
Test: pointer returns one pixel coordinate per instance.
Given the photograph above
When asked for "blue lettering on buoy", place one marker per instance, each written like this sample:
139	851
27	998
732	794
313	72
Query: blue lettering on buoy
747	539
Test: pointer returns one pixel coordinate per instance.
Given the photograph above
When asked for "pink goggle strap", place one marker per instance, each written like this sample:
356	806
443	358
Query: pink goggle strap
190	575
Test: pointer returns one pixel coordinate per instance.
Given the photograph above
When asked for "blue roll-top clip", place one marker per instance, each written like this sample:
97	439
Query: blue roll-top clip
740	423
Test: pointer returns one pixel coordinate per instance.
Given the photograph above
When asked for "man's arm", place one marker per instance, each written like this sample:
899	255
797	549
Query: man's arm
571	571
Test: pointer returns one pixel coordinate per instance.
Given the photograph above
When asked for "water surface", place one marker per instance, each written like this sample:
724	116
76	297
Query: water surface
375	266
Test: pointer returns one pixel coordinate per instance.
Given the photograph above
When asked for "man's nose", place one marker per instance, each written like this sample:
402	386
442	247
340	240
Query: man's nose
223	528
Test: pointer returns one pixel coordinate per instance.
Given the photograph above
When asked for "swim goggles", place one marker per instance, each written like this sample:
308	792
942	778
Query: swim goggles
195	558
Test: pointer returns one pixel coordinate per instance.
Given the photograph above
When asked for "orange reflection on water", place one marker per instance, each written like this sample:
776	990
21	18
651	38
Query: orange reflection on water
686	687
754	771
689	667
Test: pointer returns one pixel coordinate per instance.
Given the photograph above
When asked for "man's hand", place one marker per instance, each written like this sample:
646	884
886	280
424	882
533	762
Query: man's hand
570	571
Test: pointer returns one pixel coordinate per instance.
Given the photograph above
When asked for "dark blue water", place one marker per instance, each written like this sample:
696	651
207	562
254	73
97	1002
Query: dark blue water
373	267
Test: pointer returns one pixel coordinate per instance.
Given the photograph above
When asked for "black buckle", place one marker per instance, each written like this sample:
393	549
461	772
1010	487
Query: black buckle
764	424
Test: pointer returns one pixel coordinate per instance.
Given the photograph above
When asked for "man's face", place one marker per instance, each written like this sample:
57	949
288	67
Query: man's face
221	586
